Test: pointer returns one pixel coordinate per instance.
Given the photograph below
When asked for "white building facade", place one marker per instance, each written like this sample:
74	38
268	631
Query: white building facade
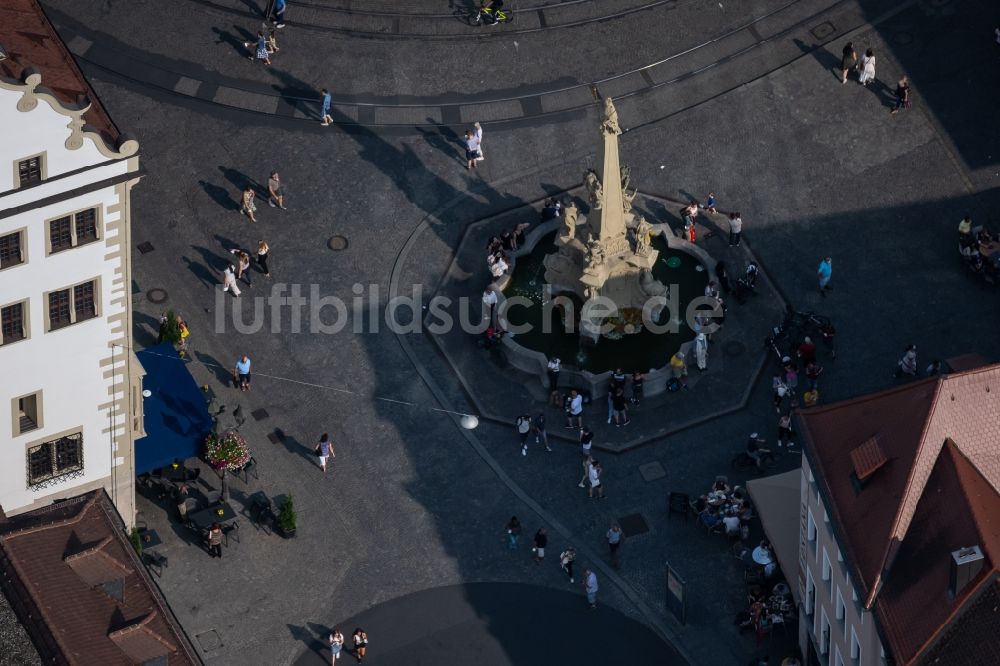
834	627
70	385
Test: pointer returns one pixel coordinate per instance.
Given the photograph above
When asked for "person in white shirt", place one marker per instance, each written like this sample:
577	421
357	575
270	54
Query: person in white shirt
229	280
574	409
498	267
479	137
732	524
489	304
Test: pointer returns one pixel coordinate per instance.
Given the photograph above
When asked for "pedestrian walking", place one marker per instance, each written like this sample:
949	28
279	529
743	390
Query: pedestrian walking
479	138
275	191
824	272
780	391
523	425
489	304
848	61
263	250
541	435
867	68
902	96
241	373
541	541
701	351
553	368
574	409
260	51
678	368
619	406
247	205
785	430
908	364
735	229
617	381
471	149
336	641
813	371
324	451
566	559
513	532
324	114
594	472
710	203
229	280
586	445
279	13
615	538
272	42
242	265
215	540
637	380
590	586
360	639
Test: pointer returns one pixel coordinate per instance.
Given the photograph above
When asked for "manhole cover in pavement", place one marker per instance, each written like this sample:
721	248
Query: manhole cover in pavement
337	243
633	524
209	640
259	414
156	295
734	348
823	30
652	471
145	247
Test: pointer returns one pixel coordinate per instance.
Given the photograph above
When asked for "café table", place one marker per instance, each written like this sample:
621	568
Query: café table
203	519
177	474
761	556
149	538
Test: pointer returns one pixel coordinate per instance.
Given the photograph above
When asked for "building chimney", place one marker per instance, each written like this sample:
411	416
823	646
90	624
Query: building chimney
966	563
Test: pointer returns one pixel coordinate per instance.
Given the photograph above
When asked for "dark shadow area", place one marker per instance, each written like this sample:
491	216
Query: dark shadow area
235	41
205	276
305	451
145	329
883	92
446	141
220	195
240	180
316	643
222	374
212	260
828	61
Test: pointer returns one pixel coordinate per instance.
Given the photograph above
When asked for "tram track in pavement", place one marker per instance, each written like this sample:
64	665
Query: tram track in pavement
780	27
367	23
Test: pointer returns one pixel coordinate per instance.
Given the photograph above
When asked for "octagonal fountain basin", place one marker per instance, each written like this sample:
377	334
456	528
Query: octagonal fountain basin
641	349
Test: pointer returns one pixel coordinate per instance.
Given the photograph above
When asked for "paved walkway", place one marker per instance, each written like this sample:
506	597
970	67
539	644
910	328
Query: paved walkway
493	624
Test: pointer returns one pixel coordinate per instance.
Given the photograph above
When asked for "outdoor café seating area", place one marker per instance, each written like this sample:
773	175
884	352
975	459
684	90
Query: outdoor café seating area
728	513
194	501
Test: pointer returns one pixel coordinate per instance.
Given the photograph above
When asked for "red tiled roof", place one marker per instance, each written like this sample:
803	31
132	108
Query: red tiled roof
55	562
32	42
878	524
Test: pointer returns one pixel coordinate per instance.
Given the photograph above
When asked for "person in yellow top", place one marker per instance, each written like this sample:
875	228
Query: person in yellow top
810	398
678	367
965	226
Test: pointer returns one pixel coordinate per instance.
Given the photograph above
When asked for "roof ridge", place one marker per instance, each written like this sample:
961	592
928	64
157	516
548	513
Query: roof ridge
892	546
868	397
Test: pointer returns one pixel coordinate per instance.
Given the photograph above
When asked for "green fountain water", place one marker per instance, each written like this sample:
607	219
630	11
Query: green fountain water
639	351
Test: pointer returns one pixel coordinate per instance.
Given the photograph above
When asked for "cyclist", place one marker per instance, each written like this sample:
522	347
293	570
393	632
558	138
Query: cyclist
490	9
754	450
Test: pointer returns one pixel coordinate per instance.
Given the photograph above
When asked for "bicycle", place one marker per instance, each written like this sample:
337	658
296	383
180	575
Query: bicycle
491	16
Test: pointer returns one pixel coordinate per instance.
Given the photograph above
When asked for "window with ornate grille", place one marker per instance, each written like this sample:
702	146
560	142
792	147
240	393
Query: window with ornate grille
83	301
29	171
10	250
85	225
59	310
12	323
55	459
60	234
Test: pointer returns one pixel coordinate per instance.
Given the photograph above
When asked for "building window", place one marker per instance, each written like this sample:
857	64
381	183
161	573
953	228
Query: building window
855	646
71	231
839	659
811	531
11	253
12	322
824	633
827	567
810	593
839	608
72	305
27	413
55	459
30	171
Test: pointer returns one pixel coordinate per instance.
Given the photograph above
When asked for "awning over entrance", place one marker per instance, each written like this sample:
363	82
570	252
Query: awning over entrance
175	415
777	499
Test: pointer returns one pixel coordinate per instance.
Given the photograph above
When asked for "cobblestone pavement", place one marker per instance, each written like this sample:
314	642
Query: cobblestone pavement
413	502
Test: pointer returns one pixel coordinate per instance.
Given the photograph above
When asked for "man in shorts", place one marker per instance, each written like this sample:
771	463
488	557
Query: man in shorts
324	450
574	409
242	373
275	192
471	149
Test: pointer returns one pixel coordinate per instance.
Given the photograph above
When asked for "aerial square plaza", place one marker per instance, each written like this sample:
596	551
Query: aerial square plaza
477	332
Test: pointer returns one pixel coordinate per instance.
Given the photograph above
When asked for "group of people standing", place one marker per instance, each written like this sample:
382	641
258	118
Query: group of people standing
865	68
